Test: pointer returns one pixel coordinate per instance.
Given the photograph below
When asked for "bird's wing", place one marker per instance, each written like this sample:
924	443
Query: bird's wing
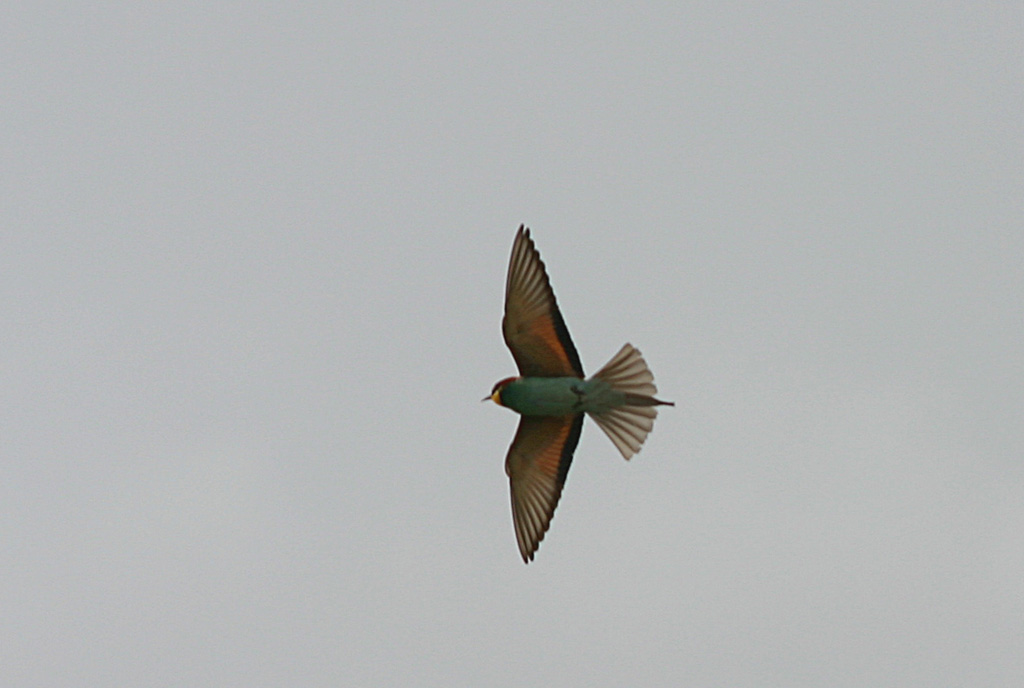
533	327
537	464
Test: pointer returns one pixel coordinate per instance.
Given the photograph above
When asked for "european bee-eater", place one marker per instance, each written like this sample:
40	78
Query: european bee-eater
551	396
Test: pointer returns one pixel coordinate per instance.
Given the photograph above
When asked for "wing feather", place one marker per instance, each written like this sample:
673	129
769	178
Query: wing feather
533	326
537	464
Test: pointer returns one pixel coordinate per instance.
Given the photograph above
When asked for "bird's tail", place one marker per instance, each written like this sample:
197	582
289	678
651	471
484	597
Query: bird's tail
627	425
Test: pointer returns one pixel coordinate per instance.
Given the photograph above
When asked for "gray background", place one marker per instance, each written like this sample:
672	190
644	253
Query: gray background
251	279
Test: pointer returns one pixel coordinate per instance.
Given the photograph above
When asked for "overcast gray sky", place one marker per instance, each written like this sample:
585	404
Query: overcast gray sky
251	282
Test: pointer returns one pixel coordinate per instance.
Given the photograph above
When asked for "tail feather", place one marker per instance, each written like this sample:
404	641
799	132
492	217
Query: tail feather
627	426
628	372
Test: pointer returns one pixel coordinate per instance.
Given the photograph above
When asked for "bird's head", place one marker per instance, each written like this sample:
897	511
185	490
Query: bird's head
495	395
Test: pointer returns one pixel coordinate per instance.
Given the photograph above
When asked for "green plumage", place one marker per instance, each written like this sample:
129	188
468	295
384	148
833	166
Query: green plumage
560	396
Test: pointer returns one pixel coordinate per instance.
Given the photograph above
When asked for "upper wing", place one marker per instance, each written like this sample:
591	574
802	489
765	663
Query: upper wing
537	464
533	326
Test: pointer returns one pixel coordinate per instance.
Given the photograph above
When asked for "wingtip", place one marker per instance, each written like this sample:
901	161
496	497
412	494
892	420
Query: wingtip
523	236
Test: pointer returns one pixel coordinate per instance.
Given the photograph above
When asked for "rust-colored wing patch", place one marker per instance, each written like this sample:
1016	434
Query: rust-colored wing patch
533	326
537	464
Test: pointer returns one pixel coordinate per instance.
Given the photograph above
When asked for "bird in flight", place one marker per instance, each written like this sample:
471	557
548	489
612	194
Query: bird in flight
551	395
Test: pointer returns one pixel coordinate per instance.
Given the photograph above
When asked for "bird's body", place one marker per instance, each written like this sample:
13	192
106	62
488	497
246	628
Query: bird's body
552	396
559	396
